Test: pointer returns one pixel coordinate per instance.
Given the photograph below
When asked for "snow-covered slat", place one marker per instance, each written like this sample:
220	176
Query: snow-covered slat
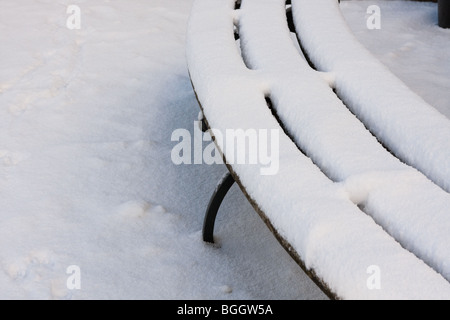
309	109
416	132
412	208
311	213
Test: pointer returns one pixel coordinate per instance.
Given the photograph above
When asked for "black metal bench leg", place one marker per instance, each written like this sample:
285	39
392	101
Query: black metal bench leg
214	205
444	13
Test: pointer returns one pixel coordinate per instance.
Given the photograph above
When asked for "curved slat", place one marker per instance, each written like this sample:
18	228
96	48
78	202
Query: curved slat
403	201
311	215
416	132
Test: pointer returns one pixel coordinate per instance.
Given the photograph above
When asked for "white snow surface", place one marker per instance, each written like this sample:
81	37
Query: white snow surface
339	143
86	177
409	43
313	214
412	129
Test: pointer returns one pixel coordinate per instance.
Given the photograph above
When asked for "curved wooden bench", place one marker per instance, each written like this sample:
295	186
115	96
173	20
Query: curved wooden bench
412	129
340	203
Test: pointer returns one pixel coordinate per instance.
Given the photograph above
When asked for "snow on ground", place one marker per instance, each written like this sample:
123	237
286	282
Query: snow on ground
86	178
410	43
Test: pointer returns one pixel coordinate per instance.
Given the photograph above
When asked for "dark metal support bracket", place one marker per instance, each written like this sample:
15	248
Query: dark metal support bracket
219	194
213	207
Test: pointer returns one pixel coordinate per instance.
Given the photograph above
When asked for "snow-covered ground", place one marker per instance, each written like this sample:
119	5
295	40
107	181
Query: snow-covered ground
410	43
86	177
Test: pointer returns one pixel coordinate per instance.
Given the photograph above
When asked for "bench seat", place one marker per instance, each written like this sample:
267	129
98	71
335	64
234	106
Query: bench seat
340	203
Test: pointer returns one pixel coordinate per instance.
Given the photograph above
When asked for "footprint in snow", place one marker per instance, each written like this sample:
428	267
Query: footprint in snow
139	209
225	289
39	273
10	159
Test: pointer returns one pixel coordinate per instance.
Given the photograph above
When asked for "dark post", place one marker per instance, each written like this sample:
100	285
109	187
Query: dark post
444	13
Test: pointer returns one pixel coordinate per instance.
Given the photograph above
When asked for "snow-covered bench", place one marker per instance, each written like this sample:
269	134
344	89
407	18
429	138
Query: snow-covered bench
346	209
